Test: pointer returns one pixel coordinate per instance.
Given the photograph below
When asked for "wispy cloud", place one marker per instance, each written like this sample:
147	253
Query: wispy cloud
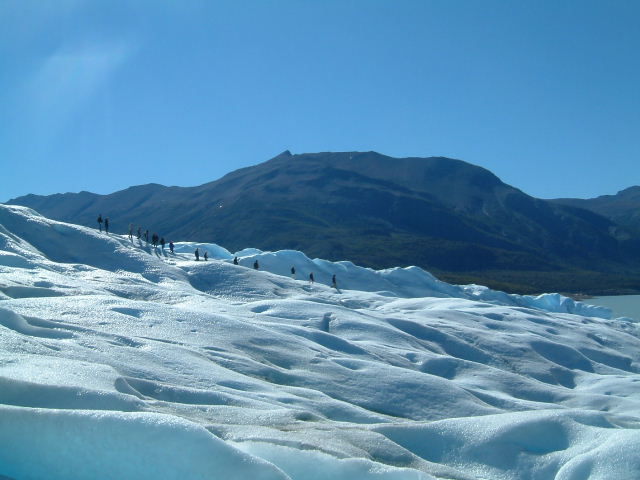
68	79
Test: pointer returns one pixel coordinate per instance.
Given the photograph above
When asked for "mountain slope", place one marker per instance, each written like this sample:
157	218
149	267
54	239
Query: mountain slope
622	208
442	214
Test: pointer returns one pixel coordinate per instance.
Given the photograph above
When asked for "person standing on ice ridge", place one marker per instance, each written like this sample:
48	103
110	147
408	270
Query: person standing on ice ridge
106	225
197	254
333	282
311	279
206	255
256	265
154	240
139	232
293	272
235	261
100	222
171	246
131	231
162	242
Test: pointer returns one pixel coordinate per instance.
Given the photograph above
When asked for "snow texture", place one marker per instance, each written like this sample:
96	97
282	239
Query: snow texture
119	360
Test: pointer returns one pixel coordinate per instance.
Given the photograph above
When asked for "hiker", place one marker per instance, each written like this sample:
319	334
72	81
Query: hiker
139	232
100	221
255	265
293	272
106	225
197	254
235	261
162	242
171	246
131	231
311	279
146	236
154	240
206	255
333	282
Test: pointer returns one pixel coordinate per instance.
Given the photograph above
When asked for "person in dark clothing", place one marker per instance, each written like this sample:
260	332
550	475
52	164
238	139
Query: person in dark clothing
154	240
146	236
333	282
197	254
235	261
255	265
311	279
162	242
171	246
139	232
131	231
100	222
206	255
106	225
293	272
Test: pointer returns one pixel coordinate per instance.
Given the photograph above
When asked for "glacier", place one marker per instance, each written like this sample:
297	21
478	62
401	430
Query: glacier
118	360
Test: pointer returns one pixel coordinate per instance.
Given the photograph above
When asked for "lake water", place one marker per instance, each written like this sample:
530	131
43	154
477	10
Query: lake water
622	305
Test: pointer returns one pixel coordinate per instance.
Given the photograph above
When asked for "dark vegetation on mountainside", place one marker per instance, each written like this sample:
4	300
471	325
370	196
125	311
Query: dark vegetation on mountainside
623	207
452	218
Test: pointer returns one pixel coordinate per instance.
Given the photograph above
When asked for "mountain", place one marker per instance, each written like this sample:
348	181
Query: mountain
623	208
444	215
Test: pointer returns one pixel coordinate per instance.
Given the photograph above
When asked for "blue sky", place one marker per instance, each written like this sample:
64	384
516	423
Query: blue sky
102	95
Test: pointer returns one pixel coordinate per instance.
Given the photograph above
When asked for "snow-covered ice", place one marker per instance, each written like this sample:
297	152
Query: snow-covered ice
118	360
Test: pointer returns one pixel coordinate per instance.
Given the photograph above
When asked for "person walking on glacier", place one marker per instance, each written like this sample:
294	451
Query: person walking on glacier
100	222
197	254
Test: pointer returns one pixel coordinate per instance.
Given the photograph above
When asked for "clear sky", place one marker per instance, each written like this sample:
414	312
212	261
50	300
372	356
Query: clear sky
102	95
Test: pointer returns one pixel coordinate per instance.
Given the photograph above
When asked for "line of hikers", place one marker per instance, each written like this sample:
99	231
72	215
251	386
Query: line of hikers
312	279
256	266
156	239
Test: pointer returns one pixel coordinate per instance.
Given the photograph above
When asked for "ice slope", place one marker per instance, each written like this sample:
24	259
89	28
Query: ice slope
121	361
402	282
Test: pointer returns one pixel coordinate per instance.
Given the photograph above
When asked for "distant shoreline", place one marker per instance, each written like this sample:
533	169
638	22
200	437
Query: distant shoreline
579	297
